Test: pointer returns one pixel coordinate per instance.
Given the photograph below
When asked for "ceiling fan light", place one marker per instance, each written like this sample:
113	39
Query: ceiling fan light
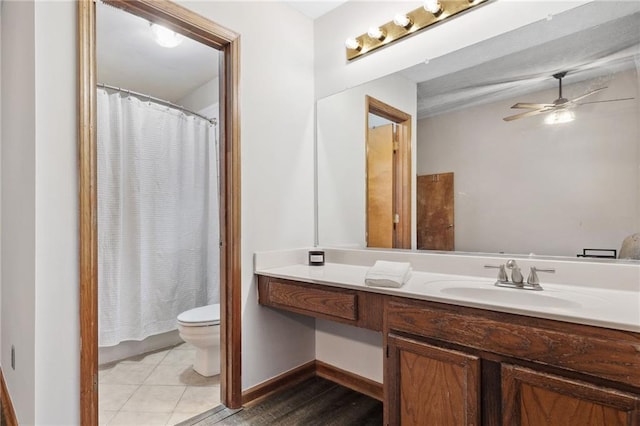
559	117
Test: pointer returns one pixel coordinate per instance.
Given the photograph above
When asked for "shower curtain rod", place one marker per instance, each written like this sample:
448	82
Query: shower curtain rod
158	101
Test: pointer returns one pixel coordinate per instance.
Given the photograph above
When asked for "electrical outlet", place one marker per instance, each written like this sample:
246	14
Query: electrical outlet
13	357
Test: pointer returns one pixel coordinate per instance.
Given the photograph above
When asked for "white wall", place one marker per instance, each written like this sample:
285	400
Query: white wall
19	205
525	186
276	88
57	345
334	74
364	355
0	186
341	157
39	239
202	96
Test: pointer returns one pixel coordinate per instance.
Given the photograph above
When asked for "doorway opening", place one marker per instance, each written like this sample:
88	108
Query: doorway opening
388	145
196	27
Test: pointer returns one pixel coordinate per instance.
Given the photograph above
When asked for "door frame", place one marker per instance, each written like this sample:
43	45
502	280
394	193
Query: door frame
203	30
401	167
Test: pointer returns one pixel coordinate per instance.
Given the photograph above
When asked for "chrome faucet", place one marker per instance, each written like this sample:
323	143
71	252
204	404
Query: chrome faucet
502	273
516	275
517	280
532	279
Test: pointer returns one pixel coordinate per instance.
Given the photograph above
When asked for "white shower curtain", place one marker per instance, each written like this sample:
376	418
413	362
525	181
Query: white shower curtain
157	217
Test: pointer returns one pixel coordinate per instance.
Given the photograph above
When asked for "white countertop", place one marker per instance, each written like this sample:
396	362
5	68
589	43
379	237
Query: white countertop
610	308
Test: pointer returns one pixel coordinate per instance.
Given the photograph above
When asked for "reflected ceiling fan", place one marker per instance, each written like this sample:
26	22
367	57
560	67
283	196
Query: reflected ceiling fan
561	107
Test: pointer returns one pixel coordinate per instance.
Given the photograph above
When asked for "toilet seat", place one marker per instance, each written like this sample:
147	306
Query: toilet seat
200	317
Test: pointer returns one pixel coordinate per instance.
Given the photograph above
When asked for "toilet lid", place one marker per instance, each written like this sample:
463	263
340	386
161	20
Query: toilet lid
204	315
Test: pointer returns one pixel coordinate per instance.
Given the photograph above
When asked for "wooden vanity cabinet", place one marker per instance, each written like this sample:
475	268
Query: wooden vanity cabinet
358	308
453	365
531	397
449	365
428	382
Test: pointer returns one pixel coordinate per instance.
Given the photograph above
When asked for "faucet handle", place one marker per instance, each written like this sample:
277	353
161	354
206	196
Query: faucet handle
533	279
502	273
516	276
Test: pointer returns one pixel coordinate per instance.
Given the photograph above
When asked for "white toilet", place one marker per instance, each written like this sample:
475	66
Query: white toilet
201	327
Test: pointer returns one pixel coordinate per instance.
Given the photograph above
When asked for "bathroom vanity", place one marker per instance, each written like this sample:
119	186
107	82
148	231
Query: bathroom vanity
505	369
455	359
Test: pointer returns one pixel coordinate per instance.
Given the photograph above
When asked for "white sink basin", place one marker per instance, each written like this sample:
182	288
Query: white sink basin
529	299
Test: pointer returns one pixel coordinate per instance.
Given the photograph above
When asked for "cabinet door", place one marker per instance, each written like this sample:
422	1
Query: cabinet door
533	398
428	385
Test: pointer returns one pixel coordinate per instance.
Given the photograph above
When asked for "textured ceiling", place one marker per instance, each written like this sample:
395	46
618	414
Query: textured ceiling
128	57
592	40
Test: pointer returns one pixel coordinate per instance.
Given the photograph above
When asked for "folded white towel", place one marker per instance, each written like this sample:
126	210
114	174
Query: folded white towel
388	274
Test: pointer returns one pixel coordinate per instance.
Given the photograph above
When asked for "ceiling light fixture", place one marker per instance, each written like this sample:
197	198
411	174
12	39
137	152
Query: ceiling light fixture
560	116
402	25
165	37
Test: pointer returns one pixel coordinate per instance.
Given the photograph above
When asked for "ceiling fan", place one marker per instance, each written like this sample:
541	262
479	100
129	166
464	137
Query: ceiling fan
561	105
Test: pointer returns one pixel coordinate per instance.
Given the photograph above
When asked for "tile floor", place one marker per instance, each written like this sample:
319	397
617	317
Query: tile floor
159	388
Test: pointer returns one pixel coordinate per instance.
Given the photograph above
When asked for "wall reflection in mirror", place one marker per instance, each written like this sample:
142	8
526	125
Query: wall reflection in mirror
560	175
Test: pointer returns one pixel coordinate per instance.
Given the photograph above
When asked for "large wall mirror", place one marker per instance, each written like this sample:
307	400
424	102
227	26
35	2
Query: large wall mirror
552	179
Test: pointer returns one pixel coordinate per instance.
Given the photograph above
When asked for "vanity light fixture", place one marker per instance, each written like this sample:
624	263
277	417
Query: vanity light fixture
353	44
431	12
433	6
560	116
376	33
165	37
403	21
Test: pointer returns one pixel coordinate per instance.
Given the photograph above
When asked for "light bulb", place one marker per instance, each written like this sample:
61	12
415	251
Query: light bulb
165	37
377	33
560	116
403	21
353	44
433	6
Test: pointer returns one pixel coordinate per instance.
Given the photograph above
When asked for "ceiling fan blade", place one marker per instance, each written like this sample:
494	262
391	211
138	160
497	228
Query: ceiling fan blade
531	106
606	100
527	114
587	94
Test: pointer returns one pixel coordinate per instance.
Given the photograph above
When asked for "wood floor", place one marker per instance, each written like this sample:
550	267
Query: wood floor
314	402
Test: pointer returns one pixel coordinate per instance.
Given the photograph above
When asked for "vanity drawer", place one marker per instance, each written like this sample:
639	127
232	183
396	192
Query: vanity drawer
337	304
359	308
308	299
